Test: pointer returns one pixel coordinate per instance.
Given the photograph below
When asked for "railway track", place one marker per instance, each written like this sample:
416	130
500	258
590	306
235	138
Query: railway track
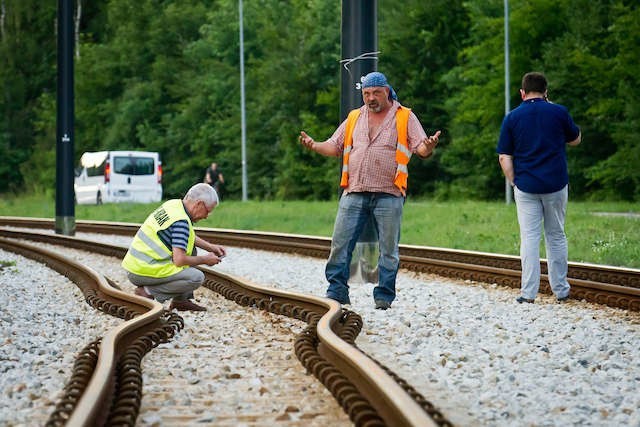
616	287
106	384
612	286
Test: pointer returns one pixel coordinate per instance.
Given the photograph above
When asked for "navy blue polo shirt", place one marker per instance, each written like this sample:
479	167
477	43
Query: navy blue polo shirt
535	134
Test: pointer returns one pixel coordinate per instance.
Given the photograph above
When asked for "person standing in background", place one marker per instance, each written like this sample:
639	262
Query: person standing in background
376	142
532	155
214	178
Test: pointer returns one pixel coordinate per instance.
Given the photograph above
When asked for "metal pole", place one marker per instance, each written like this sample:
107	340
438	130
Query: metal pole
507	106
65	222
242	109
359	45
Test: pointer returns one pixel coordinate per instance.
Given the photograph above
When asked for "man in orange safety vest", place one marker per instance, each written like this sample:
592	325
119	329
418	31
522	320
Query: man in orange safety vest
376	142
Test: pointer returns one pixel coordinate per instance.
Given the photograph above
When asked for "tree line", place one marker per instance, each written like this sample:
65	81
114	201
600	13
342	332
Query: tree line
163	75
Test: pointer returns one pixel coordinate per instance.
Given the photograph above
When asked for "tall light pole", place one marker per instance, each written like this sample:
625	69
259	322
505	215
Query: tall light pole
507	106
242	109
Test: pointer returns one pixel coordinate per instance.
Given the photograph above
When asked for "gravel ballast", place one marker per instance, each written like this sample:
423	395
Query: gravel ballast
469	348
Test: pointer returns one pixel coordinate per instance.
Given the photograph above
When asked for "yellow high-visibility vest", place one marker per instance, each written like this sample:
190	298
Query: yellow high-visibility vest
402	148
147	255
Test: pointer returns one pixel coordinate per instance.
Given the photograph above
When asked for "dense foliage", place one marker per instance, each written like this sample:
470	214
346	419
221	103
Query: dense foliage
163	75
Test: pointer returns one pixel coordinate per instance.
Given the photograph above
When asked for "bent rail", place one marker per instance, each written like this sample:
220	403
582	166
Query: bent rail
391	402
96	398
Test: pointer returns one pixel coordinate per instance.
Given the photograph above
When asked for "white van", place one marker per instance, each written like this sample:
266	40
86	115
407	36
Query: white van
118	176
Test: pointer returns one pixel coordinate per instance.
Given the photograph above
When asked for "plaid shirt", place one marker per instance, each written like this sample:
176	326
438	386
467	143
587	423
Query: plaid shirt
372	163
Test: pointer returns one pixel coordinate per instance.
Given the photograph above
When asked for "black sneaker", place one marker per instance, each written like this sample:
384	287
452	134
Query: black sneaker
523	299
562	299
382	304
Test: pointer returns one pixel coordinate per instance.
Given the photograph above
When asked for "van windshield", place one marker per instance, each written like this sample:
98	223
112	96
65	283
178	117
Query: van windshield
94	162
131	165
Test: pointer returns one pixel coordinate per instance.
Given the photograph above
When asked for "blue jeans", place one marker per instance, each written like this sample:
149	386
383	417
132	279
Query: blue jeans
354	211
534	210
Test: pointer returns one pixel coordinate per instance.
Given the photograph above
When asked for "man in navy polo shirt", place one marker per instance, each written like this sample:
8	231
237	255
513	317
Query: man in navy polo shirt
532	156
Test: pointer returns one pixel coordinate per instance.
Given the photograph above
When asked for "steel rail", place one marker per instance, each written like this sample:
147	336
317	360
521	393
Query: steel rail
395	406
392	403
97	395
613	286
600	284
611	294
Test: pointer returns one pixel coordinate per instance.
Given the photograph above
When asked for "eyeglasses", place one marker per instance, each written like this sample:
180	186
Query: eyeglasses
206	208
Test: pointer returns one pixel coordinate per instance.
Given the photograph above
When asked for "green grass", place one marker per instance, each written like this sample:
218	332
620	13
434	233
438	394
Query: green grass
477	226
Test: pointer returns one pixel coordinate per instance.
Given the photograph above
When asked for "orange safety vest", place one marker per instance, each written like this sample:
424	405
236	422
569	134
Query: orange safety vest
402	148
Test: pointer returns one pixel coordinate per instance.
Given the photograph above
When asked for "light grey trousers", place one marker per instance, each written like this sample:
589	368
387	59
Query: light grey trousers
534	210
180	286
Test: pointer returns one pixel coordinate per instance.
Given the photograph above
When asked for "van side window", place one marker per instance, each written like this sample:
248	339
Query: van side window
94	170
133	165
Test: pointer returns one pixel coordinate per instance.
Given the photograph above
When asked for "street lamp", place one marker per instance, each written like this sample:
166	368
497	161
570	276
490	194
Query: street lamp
507	106
242	108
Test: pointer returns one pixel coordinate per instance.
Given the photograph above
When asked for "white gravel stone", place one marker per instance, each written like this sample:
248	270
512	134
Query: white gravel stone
479	356
44	324
469	348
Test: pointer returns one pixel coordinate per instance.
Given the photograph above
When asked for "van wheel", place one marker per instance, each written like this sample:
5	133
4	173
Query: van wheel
99	199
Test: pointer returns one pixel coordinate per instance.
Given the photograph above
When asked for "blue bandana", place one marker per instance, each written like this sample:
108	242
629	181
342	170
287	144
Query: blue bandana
377	79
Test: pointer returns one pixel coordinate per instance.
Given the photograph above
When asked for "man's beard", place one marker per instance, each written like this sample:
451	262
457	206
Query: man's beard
375	107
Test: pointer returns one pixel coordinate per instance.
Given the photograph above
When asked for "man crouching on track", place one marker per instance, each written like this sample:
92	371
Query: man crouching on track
157	261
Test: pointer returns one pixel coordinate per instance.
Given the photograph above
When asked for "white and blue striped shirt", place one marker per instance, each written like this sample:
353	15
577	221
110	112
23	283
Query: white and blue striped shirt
176	236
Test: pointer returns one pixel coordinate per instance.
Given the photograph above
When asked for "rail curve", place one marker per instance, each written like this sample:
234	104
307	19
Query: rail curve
370	393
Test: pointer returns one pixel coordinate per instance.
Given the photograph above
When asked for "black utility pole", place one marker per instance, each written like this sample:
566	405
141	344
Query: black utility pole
359	57
65	209
359	42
